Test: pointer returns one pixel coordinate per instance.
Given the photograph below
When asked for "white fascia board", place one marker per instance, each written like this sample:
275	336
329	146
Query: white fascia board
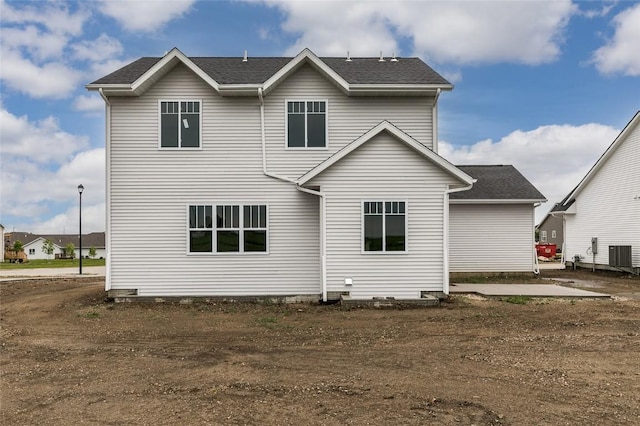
420	88
400	135
305	55
108	87
603	159
496	201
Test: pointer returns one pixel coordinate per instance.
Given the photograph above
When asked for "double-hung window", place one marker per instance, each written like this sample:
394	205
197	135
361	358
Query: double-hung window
180	124
237	228
384	226
307	124
200	229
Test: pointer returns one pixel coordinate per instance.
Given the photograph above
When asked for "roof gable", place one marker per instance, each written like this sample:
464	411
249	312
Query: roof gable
401	136
240	76
569	200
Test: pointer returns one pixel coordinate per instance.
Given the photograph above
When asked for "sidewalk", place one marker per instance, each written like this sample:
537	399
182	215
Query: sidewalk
89	271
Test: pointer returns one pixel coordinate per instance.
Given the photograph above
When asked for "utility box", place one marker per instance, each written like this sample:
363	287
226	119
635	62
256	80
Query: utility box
620	256
594	245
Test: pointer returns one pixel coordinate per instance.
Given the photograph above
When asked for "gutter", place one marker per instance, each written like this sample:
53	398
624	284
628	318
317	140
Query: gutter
445	234
322	195
107	158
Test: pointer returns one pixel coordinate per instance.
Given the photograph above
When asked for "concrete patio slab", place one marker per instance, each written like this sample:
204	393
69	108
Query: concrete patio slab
533	290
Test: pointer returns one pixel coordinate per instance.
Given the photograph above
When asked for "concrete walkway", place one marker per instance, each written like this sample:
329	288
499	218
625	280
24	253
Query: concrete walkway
88	271
532	290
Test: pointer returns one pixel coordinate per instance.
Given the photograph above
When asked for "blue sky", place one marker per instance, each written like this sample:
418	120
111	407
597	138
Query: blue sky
544	85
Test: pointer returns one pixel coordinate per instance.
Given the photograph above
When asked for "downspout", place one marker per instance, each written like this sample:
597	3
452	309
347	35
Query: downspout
322	195
445	234
107	155
434	121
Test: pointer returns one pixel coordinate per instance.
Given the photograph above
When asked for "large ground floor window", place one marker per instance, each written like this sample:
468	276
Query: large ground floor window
384	226
236	228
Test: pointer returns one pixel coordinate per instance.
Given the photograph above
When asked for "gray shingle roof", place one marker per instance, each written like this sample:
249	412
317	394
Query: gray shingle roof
94	239
501	182
258	70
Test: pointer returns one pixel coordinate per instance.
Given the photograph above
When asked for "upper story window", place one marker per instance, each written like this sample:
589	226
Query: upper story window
385	226
543	236
306	124
180	124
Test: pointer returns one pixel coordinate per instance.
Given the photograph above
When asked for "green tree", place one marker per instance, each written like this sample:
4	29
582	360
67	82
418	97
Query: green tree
48	248
17	246
70	250
92	252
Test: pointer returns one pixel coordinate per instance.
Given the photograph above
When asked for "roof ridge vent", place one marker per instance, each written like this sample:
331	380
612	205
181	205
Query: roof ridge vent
393	57
244	58
348	57
381	58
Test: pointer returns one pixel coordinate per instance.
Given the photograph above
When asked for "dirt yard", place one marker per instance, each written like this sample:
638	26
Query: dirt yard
68	356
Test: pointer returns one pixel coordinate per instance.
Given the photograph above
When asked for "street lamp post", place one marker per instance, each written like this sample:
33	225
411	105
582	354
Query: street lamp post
80	189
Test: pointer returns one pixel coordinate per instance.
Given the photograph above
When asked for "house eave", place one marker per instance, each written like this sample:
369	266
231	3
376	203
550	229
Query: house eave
497	201
396	89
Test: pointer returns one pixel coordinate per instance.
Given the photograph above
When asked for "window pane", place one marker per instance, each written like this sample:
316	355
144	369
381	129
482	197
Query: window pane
263	217
220	217
227	217
208	221
316	130
200	241
295	132
192	216
236	216
254	217
228	241
200	216
247	216
255	240
401	207
169	130
373	233
395	239
190	130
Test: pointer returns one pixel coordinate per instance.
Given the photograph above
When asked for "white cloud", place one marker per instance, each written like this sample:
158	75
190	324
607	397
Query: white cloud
93	220
42	142
145	15
447	32
620	54
40	45
554	158
55	16
98	50
89	103
50	80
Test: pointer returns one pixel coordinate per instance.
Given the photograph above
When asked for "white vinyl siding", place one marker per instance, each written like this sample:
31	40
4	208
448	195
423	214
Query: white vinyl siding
491	238
384	169
348	118
609	206
150	189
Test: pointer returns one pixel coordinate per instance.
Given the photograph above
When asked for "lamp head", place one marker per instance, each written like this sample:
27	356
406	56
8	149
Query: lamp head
80	188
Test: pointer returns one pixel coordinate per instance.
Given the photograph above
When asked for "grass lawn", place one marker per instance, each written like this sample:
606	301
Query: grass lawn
54	263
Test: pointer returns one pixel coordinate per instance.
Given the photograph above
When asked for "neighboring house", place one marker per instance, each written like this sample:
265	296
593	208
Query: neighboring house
33	244
302	176
550	230
3	243
492	225
605	207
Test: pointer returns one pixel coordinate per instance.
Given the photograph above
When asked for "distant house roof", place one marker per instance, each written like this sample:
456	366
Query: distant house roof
498	183
568	201
257	70
94	239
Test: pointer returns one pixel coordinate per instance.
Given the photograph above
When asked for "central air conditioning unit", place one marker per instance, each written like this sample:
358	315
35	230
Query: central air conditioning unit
620	256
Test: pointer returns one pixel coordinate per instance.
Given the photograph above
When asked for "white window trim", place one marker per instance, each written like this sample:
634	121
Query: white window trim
214	229
543	236
553	234
406	227
179	148
286	125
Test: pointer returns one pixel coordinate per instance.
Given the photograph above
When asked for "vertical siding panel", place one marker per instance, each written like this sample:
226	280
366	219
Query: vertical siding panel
491	238
609	206
384	169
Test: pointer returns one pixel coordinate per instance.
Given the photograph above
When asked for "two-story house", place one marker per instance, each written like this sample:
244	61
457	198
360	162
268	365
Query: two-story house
302	176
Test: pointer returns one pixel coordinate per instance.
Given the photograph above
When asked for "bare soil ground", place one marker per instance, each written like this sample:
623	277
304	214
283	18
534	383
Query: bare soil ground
69	356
